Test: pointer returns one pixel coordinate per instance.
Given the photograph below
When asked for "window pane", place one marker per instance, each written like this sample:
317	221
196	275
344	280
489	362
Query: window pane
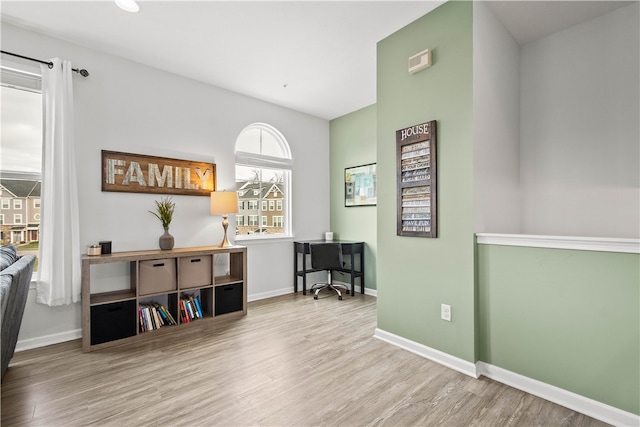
260	189
259	141
270	146
249	141
20	168
21	131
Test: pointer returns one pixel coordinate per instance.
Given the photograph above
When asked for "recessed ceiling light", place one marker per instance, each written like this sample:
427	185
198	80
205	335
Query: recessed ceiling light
128	5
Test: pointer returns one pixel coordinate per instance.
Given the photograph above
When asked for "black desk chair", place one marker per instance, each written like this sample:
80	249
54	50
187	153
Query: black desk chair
327	256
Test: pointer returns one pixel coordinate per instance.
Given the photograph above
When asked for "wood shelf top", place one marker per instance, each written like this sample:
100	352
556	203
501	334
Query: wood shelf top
158	253
225	280
113	296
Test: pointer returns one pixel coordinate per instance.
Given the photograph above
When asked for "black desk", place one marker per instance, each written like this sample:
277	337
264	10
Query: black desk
349	248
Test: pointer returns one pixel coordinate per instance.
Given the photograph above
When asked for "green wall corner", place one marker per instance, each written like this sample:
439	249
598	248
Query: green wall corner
416	275
353	143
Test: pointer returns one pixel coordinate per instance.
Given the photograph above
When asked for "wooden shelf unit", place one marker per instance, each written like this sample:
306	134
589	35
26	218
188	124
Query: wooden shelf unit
110	317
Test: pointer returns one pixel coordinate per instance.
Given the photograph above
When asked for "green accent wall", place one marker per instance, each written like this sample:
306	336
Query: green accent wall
567	318
416	275
353	143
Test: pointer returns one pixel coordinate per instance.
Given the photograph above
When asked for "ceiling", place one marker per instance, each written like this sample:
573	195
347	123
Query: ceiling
530	20
318	57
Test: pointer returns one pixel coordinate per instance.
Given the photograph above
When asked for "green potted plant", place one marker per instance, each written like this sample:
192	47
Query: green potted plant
164	212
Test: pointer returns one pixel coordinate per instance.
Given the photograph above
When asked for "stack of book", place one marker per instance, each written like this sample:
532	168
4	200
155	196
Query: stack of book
154	316
190	308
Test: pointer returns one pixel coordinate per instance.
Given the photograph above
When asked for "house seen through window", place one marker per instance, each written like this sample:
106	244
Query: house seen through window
263	181
21	159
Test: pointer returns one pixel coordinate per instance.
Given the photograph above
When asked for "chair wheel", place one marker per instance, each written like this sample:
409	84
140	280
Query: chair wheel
315	297
340	298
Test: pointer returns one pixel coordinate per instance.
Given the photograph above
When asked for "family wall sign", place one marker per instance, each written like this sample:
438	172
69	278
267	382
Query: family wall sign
138	173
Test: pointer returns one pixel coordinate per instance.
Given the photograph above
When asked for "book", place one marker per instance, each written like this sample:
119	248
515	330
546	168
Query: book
189	311
156	316
162	314
172	321
191	304
198	307
166	315
143	327
153	315
192	307
147	318
185	312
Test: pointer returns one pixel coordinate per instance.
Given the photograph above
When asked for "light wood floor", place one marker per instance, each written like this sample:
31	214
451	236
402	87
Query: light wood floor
291	361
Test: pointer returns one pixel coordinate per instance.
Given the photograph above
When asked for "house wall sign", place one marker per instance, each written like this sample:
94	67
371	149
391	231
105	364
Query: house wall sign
138	173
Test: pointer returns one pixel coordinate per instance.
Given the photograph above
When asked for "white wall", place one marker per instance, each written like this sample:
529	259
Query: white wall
125	106
580	149
496	125
556	128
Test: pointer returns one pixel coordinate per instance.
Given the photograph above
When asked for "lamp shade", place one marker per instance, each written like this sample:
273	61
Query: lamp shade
224	202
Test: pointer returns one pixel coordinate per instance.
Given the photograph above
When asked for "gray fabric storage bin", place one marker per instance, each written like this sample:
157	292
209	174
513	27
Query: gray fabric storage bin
156	276
195	271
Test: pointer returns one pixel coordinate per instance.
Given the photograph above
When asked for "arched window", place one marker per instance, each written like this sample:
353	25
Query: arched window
263	180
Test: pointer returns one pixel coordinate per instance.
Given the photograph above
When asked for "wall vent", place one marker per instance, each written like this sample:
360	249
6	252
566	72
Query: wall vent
420	61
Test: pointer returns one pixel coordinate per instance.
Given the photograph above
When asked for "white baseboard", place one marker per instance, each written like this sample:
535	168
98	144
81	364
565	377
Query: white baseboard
367	291
45	340
573	401
284	291
437	356
357	288
270	294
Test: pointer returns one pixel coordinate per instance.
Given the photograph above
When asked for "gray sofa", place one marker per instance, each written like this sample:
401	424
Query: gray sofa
15	277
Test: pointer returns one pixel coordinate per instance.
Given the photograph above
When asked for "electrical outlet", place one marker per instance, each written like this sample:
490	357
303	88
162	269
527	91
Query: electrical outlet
445	312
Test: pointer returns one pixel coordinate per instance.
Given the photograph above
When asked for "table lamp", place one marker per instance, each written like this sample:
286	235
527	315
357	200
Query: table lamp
224	203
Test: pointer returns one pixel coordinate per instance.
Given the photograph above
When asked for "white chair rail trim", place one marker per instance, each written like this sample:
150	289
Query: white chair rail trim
601	244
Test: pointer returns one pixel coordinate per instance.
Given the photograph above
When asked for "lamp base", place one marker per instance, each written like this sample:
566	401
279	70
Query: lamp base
225	224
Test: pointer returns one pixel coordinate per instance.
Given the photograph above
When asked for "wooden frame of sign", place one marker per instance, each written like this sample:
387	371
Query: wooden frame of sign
138	173
416	176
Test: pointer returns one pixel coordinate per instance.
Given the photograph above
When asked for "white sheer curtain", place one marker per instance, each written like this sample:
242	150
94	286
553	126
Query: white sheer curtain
59	260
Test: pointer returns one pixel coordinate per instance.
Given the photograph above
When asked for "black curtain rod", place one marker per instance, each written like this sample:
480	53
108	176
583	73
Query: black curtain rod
82	72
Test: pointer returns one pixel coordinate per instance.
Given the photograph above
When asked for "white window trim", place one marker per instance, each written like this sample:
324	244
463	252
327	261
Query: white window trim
285	164
21	76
